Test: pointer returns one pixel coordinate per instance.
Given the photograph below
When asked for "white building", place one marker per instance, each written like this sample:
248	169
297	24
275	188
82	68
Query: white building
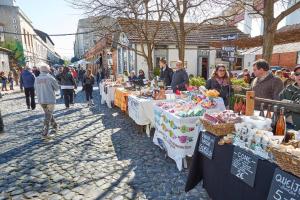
200	57
18	28
4	61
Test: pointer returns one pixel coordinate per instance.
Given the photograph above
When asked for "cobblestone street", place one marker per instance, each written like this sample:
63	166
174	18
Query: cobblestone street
97	154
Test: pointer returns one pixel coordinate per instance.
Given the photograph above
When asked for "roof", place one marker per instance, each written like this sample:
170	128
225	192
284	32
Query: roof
285	35
283	48
201	35
43	35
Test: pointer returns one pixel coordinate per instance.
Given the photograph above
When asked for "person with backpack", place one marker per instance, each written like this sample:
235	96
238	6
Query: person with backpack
3	81
27	81
88	82
68	84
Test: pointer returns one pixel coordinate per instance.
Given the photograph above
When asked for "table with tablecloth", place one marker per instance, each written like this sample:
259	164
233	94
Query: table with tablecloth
121	98
141	111
107	93
218	180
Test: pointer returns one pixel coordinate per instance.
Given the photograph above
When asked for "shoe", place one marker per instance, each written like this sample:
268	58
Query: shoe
55	127
45	133
28	107
67	108
32	108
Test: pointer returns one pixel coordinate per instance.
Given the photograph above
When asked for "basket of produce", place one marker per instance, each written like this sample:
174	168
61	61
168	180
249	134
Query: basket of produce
287	157
220	124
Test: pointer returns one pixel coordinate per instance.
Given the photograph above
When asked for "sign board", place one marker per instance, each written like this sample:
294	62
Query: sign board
284	186
244	165
229	49
207	145
229	37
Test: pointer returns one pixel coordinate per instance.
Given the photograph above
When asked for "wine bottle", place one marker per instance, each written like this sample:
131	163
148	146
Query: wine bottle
269	115
281	123
274	119
262	113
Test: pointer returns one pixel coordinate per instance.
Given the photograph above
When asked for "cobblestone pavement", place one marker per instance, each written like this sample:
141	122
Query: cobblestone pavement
97	154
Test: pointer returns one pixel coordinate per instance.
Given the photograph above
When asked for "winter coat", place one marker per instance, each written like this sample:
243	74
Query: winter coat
88	81
179	80
166	75
67	81
27	79
45	86
223	90
269	88
292	93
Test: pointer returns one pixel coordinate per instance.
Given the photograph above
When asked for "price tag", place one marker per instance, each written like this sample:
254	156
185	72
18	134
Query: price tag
244	165
284	186
207	145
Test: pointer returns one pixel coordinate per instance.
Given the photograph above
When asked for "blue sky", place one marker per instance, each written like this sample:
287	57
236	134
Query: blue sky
52	17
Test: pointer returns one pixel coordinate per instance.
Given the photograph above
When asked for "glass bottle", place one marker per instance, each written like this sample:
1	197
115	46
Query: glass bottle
269	115
281	123
262	113
274	118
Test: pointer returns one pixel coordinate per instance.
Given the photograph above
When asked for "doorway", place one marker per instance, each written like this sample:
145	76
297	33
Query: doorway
203	67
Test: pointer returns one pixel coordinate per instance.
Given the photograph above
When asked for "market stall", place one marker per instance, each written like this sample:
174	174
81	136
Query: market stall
107	93
177	127
247	157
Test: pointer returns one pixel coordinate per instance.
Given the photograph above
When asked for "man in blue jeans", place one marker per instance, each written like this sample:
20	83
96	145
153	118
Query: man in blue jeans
27	80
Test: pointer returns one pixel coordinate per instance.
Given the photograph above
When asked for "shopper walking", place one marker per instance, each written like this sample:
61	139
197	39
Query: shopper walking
88	82
68	84
11	81
3	81
45	86
27	81
58	78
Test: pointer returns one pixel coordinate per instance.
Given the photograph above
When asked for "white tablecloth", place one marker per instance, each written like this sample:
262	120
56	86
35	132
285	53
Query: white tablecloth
141	111
108	95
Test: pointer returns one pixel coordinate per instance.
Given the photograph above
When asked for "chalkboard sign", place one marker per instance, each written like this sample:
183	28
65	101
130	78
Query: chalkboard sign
284	186
207	145
244	165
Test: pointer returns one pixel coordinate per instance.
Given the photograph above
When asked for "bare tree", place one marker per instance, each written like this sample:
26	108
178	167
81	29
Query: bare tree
135	15
265	8
200	12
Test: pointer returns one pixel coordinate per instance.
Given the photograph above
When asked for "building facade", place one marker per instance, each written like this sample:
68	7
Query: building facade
18	27
4	60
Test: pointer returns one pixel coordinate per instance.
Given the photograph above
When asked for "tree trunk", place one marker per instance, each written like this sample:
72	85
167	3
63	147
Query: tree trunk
150	67
268	43
269	30
181	46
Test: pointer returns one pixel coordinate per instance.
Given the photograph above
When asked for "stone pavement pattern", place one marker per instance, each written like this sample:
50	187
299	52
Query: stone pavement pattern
97	154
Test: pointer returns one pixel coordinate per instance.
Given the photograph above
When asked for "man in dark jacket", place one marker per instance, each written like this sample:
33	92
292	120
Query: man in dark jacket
292	95
166	73
265	85
27	80
180	78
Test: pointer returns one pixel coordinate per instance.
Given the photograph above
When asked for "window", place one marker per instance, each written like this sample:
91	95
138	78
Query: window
1	34
28	39
298	59
14	21
160	53
25	40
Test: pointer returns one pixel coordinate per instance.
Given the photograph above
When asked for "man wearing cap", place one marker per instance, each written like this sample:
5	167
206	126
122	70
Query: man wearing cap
292	94
45	86
27	81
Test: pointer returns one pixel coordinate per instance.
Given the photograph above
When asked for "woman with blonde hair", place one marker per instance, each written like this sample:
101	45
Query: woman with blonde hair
88	82
220	81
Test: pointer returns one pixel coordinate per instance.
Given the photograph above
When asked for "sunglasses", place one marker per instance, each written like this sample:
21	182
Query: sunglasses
297	73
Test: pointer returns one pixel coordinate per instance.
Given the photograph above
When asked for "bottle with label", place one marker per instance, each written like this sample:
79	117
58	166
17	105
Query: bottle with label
269	115
281	123
262	112
274	118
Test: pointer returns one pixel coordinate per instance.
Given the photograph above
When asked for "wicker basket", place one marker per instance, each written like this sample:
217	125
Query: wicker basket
218	129
286	161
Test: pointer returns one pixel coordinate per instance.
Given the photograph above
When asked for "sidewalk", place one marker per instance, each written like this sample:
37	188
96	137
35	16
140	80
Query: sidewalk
16	90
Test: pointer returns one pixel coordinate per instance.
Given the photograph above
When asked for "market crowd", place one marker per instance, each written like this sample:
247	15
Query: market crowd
44	82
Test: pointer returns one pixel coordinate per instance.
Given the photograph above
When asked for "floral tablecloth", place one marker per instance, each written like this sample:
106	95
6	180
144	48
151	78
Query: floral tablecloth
176	135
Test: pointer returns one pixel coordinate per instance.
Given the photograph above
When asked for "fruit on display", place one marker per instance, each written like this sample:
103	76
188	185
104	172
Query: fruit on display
208	103
212	93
